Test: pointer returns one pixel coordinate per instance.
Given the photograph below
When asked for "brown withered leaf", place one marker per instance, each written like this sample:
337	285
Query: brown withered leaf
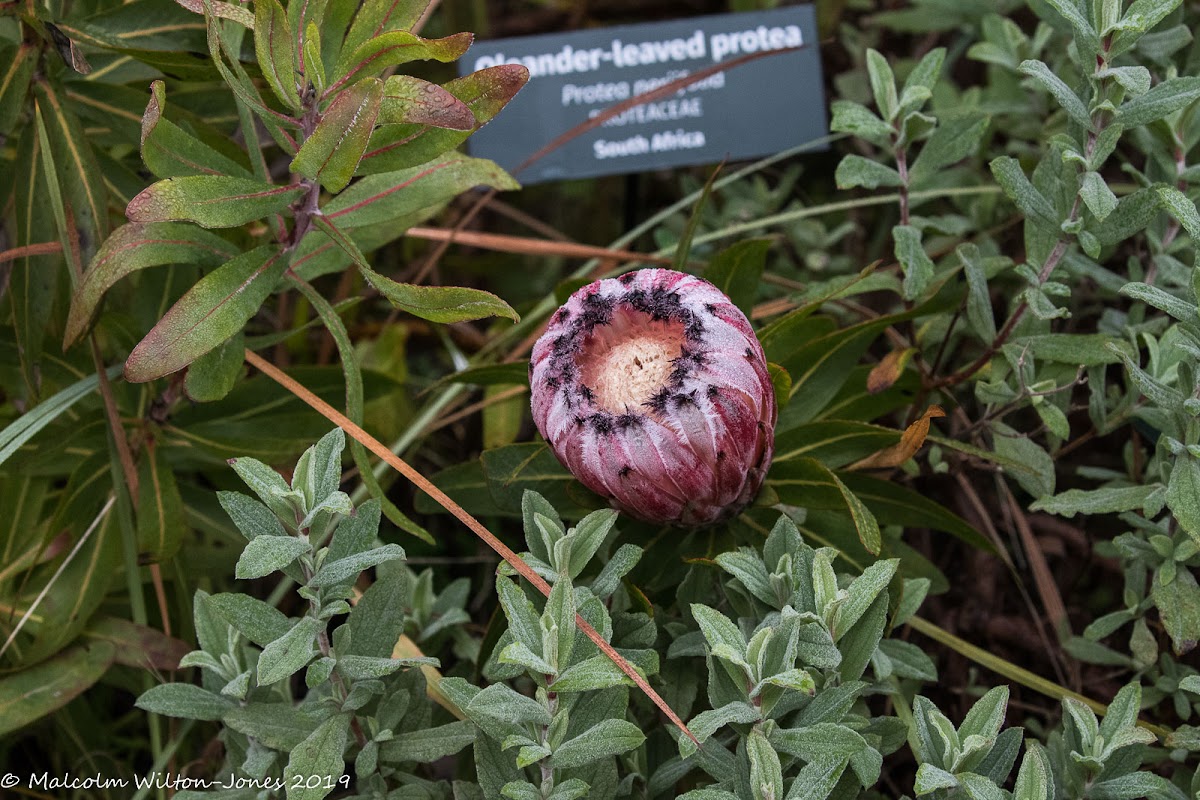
887	371
910	442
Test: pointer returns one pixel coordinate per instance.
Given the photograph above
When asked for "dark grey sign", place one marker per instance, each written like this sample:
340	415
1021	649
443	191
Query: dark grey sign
750	110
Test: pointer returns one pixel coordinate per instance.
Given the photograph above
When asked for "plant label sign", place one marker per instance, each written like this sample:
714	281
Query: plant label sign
752	109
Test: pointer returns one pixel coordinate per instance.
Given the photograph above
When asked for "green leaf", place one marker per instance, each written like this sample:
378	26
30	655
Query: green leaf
398	47
426	746
737	270
1082	349
587	537
169	151
1062	93
275	46
608	738
883	84
377	620
31	693
410	100
14	80
25	427
331	154
440	303
389	196
917	266
211	201
485	93
378	16
134	247
289	653
318	760
1139	18
213	375
266	554
184	700
1183	494
160	521
1181	310
854	170
718	629
280	726
1162	100
864	521
209	313
334	572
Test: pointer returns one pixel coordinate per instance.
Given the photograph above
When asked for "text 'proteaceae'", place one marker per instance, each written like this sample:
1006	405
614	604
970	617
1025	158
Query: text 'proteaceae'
653	391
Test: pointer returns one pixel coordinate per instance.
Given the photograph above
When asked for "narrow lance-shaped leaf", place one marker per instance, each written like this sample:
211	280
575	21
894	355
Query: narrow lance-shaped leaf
211	201
14	81
391	195
138	246
411	100
169	151
381	16
209	313
434	303
331	154
398	47
485	93
275	46
160	522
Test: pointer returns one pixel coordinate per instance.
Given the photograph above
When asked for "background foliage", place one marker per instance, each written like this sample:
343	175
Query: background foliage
983	519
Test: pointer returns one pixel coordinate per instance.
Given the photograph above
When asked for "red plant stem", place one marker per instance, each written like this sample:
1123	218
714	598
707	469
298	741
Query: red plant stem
476	527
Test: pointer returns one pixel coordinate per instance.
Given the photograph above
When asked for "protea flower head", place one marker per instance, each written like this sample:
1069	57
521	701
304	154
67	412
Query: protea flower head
654	392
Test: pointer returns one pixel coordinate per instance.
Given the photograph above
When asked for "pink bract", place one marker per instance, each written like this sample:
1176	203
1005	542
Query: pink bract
653	390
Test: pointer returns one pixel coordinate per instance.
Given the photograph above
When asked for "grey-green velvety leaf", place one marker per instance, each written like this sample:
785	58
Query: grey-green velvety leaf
979	301
1034	780
931	778
1181	208
857	119
259	622
425	746
251	517
1163	99
184	700
608	738
1107	500
1085	35
1181	310
766	773
265	554
280	726
589	534
289	653
521	614
883	84
1066	98
377	620
597	672
745	565
986	715
706	723
854	170
318	756
1183	494
1099	199
1016	185
337	571
954	139
862	593
917	266
718	629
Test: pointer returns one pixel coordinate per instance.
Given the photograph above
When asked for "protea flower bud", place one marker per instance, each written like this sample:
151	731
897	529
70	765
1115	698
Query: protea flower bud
654	392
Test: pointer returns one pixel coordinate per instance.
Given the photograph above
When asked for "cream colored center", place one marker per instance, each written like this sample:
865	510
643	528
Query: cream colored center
631	372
